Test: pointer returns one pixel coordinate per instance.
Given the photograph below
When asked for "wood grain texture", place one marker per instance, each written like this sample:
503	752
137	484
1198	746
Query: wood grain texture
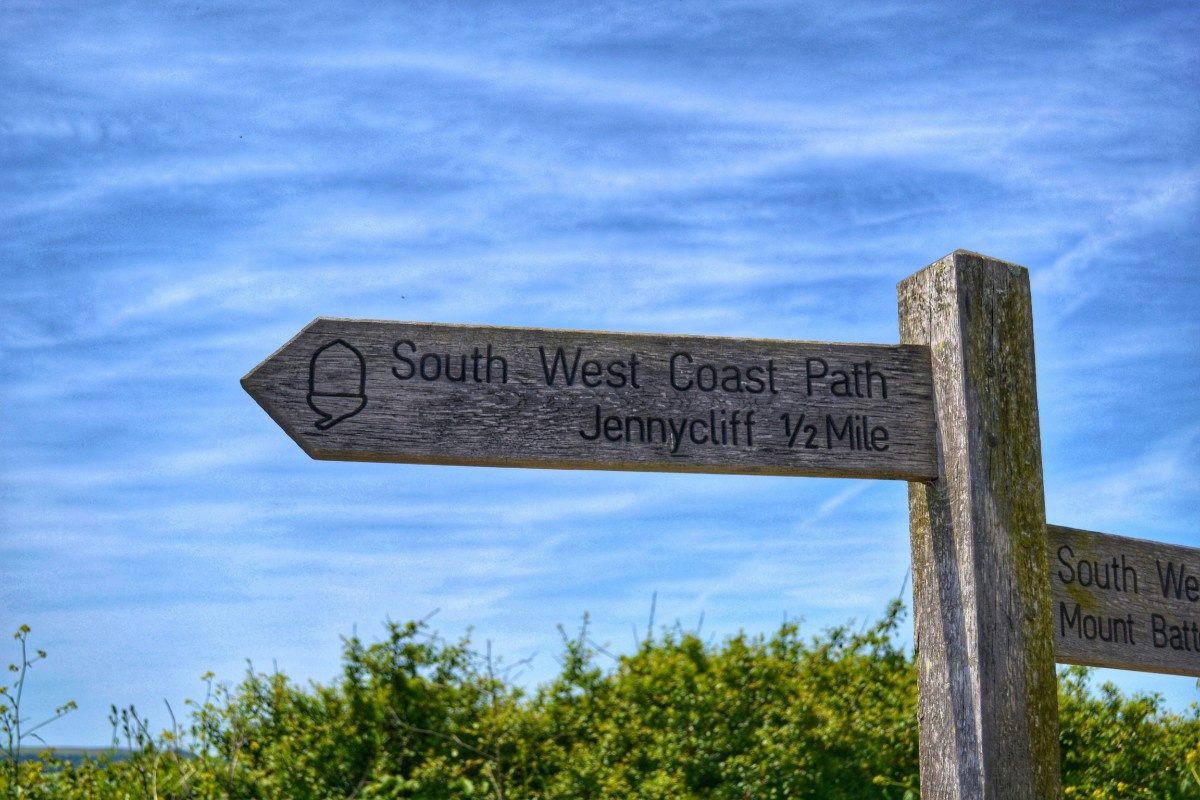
1123	602
987	685
514	397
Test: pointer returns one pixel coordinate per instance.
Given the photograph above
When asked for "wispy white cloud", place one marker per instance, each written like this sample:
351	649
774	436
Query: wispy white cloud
1147	205
1143	490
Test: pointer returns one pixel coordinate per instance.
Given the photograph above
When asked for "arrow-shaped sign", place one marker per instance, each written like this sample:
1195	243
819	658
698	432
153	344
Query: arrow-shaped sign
426	393
1123	602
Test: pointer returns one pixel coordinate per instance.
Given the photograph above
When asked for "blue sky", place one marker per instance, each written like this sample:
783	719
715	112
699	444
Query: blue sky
183	186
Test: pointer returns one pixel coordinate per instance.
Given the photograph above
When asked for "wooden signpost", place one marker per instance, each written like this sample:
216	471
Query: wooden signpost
998	595
986	685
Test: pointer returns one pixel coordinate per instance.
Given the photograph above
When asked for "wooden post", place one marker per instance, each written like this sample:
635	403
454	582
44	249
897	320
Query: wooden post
988	700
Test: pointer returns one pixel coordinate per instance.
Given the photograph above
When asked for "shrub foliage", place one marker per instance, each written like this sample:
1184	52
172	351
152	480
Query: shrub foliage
416	716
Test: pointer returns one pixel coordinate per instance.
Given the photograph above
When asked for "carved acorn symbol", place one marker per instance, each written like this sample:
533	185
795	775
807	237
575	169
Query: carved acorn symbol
337	382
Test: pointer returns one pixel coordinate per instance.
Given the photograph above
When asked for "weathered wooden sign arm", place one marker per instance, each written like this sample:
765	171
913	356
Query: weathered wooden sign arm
987	687
1123	602
518	397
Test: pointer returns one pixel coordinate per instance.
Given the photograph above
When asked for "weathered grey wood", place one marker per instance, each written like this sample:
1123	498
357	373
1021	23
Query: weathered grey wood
378	391
1125	603
987	686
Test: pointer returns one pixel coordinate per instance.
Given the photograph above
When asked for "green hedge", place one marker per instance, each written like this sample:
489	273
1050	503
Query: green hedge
415	716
